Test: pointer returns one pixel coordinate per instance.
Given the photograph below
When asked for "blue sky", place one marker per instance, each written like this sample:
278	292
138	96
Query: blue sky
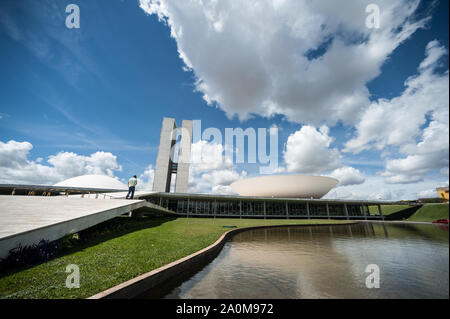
106	86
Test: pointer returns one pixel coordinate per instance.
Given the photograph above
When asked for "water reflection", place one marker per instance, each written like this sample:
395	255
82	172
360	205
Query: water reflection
326	262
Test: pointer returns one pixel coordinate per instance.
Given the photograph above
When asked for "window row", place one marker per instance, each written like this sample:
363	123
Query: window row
255	208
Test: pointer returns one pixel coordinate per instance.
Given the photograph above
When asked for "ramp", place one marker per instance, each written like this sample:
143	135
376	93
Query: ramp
26	220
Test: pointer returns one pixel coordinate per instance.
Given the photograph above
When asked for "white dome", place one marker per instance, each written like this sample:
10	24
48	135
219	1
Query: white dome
285	186
93	181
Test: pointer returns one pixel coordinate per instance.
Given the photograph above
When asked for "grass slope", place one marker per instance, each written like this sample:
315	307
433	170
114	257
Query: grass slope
113	257
430	212
387	209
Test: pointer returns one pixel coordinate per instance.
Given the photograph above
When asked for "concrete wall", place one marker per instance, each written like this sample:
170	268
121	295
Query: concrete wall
166	149
184	157
161	182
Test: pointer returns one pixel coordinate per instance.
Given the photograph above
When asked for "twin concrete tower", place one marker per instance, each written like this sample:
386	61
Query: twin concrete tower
166	163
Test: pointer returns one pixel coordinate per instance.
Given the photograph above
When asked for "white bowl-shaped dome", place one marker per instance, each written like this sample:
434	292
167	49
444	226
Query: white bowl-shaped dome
285	186
93	181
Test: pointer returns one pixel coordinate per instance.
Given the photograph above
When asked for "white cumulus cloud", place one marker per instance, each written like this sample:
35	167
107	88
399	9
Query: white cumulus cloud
145	180
348	176
308	151
307	60
210	170
375	188
399	122
16	168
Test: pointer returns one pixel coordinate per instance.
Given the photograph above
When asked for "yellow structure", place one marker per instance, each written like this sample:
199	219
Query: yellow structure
443	192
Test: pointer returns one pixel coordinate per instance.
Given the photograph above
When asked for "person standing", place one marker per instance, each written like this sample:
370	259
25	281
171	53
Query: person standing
132	182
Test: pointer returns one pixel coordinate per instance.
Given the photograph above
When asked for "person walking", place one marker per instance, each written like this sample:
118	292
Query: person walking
132	182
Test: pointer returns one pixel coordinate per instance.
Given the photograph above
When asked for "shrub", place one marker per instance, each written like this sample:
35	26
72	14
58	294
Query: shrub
24	256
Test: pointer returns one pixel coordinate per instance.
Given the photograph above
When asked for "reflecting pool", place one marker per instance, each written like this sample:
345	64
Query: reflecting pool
324	262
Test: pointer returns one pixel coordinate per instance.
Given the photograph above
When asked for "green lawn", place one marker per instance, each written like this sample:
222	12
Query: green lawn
387	209
112	257
430	212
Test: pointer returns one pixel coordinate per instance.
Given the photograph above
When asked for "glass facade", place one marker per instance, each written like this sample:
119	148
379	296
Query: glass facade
270	208
276	209
336	210
318	210
297	209
354	210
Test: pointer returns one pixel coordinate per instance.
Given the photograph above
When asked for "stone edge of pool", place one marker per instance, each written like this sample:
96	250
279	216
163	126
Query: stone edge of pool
140	284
